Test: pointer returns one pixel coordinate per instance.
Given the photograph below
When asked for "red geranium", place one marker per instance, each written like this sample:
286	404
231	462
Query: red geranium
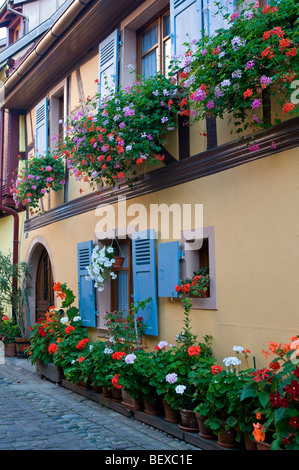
69	329
82	343
41	331
118	355
216	369
194	350
52	348
114	381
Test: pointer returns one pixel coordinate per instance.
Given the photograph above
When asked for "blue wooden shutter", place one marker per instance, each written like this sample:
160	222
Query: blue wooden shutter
214	20
41	127
145	278
169	255
86	289
108	63
185	23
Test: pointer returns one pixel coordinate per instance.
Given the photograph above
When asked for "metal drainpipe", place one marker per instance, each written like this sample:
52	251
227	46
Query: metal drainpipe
25	18
6	209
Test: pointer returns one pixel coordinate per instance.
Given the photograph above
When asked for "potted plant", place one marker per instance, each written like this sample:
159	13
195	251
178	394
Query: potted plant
221	405
276	389
40	175
200	377
127	329
9	330
172	370
197	286
14	292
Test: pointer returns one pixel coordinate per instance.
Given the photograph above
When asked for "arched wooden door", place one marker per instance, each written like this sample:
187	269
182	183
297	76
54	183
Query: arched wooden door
44	286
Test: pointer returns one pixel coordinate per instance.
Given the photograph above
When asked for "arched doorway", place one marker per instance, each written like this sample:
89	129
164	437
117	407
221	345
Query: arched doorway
44	286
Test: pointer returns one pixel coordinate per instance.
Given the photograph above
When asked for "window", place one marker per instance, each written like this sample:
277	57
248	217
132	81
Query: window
203	257
57	114
154	47
136	280
122	287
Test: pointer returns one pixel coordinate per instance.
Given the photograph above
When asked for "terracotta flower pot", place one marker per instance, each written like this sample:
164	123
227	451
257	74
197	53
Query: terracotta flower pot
171	415
85	384
153	406
188	421
227	438
10	350
97	389
119	261
116	394
106	392
250	444
204	431
129	402
261	445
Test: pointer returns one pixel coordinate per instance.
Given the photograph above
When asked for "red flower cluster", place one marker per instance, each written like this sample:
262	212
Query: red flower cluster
52	348
216	369
114	381
118	355
41	331
194	350
69	329
81	345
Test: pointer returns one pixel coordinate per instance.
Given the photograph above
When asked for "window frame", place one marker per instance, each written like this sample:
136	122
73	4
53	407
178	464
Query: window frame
104	297
190	263
159	20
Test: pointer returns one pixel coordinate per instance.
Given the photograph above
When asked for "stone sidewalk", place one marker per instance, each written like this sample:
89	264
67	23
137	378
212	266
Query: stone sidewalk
36	414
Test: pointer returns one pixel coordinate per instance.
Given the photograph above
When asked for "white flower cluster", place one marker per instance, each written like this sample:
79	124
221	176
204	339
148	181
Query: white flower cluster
101	266
231	361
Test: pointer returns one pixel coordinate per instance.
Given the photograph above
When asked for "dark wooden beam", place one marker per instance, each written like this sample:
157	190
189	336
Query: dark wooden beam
211	132
184	137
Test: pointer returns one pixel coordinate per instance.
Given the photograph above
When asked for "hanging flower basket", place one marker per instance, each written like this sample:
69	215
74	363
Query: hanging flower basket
40	175
127	132
118	263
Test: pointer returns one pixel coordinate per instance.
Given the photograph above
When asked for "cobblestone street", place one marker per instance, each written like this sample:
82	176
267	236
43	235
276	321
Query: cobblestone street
36	414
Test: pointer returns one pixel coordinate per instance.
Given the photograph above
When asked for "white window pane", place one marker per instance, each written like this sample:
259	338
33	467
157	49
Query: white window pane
149	64
149	38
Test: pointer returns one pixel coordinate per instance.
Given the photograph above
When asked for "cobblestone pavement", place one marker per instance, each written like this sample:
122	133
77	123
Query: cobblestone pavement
36	414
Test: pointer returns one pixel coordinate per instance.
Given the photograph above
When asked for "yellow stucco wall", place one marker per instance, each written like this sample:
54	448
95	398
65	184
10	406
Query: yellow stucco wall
253	211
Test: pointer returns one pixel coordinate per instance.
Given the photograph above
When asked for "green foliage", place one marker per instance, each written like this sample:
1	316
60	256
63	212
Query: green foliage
41	174
195	286
275	392
233	71
63	331
9	330
127	131
14	288
127	329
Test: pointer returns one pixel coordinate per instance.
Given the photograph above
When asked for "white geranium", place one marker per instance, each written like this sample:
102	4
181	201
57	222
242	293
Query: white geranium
238	349
77	318
64	320
231	361
180	389
108	351
100	268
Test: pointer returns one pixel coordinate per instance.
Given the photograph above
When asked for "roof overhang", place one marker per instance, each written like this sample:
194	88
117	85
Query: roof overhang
81	27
